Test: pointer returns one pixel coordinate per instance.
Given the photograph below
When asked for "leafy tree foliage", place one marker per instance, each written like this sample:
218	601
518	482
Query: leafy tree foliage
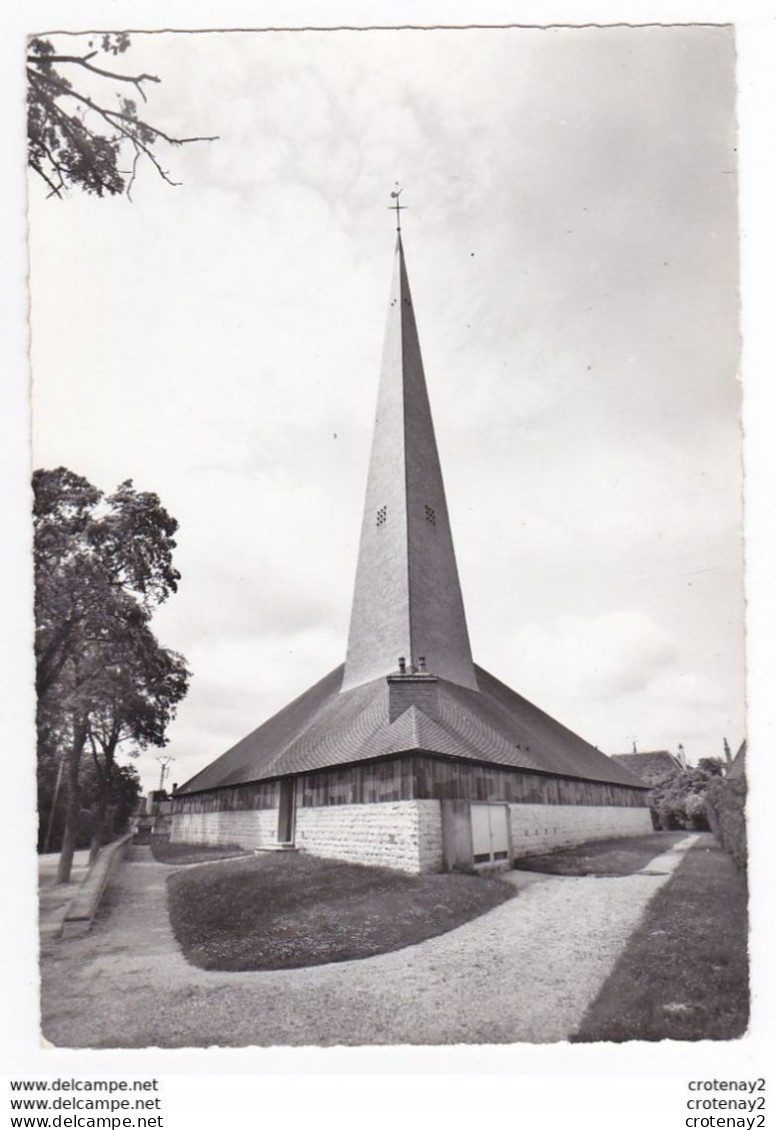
102	565
679	800
134	701
714	766
725	802
80	127
123	796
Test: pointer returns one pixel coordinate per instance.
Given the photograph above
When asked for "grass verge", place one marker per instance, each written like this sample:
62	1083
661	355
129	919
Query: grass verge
603	857
284	911
684	973
165	852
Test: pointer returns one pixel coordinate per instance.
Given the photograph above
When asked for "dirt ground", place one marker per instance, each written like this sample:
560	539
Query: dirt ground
524	972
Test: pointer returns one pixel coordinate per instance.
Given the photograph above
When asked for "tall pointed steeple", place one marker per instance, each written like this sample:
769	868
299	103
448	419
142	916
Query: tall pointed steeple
407	600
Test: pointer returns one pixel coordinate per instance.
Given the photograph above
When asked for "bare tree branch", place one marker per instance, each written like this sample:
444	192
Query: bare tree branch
83	61
133	173
55	191
110	115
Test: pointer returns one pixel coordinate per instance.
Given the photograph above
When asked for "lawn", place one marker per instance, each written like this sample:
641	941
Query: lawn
684	973
165	852
603	857
286	911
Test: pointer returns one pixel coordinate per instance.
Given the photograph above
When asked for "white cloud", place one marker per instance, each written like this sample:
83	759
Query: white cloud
620	678
616	654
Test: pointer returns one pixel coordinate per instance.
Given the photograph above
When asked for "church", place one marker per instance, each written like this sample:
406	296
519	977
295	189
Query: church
409	755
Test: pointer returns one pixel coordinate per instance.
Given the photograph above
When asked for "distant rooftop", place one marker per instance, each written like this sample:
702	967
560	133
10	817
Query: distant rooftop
651	766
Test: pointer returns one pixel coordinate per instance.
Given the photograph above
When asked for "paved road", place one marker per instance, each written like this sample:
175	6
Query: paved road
524	972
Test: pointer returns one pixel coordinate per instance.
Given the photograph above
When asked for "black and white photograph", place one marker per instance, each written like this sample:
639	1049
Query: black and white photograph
387	528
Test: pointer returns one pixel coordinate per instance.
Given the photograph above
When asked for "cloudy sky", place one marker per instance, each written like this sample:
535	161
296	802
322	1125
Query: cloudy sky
571	240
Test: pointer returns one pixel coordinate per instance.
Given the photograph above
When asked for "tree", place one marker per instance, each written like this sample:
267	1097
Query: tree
678	801
125	792
65	583
77	135
136	700
102	565
714	766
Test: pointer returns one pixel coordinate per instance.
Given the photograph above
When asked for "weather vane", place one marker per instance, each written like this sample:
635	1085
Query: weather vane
396	206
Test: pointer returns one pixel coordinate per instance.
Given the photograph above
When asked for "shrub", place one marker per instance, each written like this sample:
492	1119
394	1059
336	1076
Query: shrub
677	802
725	803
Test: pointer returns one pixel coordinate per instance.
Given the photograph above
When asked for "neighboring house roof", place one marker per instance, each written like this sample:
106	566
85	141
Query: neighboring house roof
327	727
652	766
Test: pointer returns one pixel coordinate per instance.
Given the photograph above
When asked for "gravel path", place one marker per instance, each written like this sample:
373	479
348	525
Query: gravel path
524	972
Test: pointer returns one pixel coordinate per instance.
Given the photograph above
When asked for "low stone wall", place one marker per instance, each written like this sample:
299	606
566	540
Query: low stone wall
538	828
403	834
249	828
82	909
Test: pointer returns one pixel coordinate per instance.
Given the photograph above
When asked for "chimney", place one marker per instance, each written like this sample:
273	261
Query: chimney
402	665
412	688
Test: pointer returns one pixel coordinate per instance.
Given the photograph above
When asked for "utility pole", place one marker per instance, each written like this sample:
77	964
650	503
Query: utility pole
165	769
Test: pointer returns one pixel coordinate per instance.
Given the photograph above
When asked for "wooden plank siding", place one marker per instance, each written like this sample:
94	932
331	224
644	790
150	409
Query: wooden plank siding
260	794
417	778
370	783
451	780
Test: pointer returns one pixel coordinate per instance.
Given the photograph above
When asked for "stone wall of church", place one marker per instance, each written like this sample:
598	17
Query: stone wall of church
406	835
537	828
247	828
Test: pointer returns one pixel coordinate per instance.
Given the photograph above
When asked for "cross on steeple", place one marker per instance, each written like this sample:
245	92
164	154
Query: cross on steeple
396	206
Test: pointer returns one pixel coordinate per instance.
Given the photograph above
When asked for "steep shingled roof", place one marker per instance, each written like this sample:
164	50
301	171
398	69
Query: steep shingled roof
407	594
326	727
651	766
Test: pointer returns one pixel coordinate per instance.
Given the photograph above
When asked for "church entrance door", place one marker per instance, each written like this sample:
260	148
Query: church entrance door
286	811
490	833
